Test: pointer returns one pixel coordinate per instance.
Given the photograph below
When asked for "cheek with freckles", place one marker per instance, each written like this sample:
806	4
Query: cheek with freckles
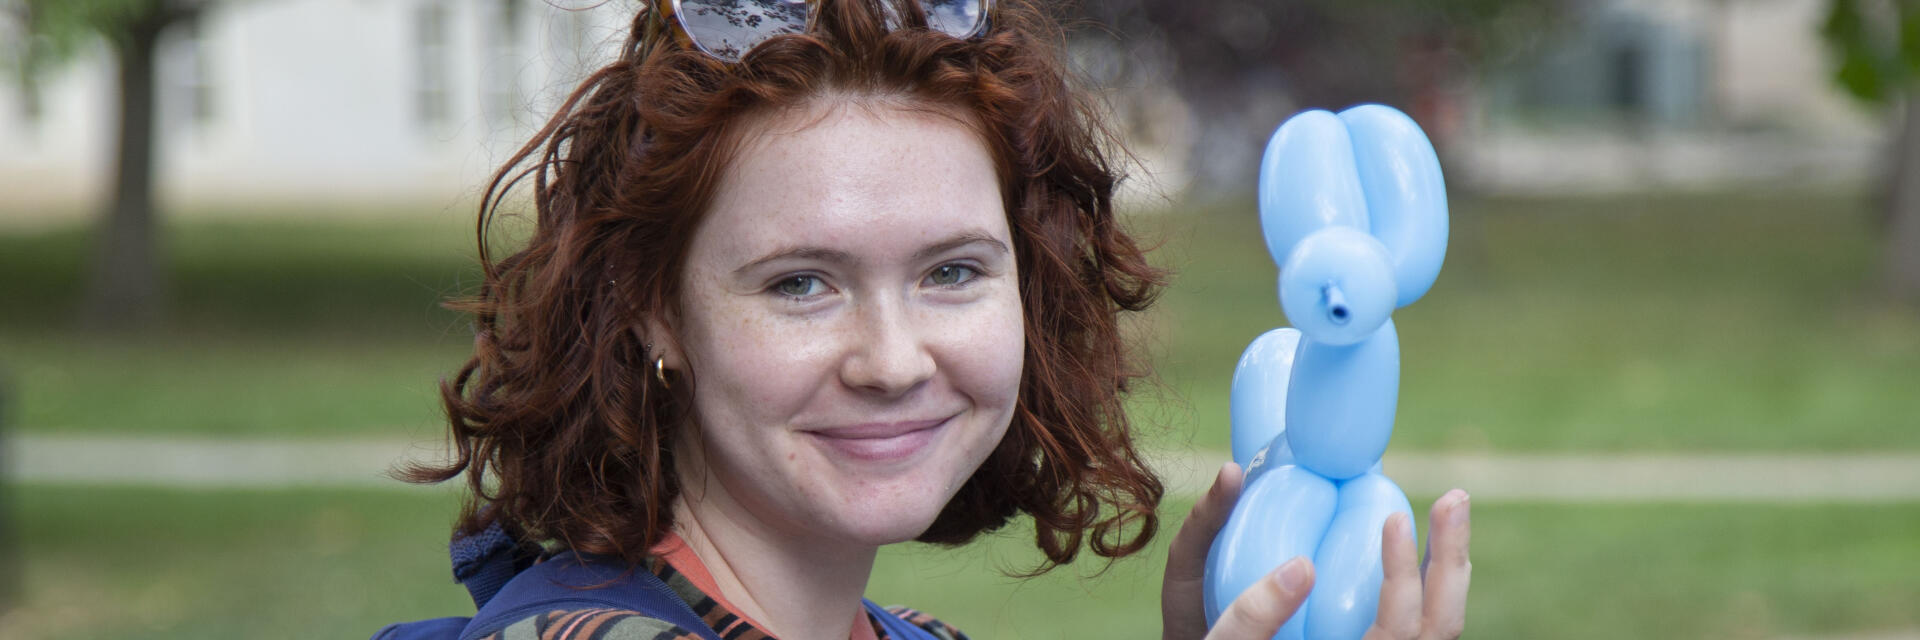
747	363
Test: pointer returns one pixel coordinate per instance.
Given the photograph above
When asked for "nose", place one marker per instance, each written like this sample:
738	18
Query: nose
886	355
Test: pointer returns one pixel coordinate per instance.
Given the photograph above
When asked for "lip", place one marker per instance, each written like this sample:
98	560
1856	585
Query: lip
879	441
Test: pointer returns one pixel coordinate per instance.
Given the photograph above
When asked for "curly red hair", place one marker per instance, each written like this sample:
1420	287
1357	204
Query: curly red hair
561	429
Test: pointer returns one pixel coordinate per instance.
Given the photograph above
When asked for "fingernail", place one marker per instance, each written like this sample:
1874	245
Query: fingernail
1462	509
1293	574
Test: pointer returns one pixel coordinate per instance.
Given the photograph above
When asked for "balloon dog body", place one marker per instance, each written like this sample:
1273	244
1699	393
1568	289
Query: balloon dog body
1354	211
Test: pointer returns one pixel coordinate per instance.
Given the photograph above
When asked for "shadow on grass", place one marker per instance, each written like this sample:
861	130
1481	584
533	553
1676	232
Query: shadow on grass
376	280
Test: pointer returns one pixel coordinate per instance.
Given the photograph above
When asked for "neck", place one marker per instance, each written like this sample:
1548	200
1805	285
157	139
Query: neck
794	585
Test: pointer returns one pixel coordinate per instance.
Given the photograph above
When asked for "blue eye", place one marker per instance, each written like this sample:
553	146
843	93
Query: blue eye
797	286
952	275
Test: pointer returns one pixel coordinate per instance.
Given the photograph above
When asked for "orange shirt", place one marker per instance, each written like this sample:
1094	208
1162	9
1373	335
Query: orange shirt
675	552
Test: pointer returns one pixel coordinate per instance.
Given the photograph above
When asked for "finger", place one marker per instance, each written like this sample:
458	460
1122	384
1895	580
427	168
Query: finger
1434	520
1265	605
1450	570
1181	612
1189	551
1399	615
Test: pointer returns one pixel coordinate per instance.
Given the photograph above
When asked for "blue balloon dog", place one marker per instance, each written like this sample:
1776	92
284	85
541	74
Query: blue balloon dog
1354	210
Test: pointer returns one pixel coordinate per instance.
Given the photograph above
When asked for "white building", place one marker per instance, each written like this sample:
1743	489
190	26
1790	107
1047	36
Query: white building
1674	94
294	101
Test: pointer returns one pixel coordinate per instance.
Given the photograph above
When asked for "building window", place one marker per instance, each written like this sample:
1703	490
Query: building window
187	70
1627	68
576	48
31	109
503	90
432	65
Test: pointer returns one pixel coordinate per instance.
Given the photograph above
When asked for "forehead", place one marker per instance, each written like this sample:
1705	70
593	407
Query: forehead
872	174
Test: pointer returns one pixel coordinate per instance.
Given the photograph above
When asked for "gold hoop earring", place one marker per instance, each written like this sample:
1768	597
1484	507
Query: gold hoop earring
660	372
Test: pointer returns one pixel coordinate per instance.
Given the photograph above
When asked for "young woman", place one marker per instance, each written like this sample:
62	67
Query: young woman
810	278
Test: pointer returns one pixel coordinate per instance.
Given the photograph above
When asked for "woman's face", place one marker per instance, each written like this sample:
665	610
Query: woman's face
851	315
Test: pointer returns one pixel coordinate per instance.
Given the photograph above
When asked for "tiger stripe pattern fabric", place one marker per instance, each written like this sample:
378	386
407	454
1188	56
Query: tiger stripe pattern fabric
616	624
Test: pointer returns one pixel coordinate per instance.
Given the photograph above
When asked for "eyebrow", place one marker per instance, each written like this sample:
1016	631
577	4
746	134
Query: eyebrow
837	256
958	241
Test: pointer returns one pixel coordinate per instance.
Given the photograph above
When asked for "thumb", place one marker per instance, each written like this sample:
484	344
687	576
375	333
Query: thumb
1267	604
1182	592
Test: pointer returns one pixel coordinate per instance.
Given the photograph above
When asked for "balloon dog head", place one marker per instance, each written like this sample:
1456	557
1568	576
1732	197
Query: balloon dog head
1355	214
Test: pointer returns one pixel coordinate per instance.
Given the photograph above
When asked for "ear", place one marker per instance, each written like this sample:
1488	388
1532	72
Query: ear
657	331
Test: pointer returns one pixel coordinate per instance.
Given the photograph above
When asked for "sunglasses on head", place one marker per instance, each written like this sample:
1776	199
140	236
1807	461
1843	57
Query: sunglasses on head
728	29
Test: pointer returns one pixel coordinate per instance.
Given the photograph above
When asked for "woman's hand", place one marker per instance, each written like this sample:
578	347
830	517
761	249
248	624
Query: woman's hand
1417	602
1428	601
1259	611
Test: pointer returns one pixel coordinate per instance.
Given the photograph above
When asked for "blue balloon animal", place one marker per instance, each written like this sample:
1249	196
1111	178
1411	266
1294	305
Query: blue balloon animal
1355	214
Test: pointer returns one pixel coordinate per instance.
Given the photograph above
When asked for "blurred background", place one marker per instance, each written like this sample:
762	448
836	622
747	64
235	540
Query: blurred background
1674	353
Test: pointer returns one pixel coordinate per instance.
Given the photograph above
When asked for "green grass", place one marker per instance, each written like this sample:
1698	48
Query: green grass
1669	323
235	385
152	563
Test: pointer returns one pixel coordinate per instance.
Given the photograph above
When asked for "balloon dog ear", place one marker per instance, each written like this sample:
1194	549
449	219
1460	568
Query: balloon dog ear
1405	192
1308	182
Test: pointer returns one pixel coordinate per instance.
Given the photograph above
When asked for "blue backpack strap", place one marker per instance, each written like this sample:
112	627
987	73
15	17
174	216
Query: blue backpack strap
571	581
897	628
485	561
482	562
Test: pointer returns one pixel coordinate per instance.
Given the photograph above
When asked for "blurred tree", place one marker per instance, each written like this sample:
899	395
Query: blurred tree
1876	45
125	288
1243	65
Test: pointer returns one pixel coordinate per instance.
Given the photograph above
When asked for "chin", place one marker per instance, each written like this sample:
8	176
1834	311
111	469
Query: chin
879	530
886	535
880	521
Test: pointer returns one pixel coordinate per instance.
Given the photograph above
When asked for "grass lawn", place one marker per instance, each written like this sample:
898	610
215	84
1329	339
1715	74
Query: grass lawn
1670	323
126	563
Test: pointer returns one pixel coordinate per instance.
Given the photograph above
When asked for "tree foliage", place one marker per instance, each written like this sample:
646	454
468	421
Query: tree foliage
1876	47
1876	50
57	29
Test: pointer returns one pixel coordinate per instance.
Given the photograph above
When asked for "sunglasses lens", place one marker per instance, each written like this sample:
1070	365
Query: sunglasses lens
958	18
727	29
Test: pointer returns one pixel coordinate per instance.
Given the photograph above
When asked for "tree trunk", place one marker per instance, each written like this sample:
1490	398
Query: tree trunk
1901	268
126	289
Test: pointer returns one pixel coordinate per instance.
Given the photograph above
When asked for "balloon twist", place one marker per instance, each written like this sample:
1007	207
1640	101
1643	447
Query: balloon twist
1354	211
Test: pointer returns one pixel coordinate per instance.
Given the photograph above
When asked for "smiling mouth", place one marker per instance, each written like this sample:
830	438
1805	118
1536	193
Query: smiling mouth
879	442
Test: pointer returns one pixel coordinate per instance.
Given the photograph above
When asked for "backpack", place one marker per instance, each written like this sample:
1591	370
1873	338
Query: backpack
507	585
